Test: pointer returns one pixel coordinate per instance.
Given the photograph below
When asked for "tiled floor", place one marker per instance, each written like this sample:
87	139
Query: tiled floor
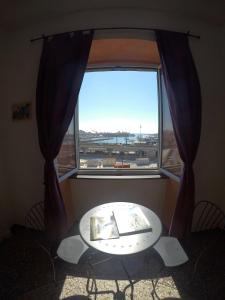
25	273
76	286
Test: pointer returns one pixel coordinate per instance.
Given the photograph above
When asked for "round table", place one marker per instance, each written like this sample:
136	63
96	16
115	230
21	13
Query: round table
124	245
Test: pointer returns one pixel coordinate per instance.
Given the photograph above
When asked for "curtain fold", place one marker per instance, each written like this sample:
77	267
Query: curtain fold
62	67
184	96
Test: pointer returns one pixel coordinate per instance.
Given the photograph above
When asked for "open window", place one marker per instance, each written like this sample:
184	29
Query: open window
119	126
171	163
118	120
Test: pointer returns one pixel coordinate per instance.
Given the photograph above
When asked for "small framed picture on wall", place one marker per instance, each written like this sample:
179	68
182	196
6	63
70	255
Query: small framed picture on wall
21	111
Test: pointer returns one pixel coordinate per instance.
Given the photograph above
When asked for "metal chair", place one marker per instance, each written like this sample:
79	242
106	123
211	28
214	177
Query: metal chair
35	217
34	222
208	218
207	215
172	254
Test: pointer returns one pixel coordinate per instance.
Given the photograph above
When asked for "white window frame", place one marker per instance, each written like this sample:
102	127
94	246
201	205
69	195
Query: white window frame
81	173
122	173
162	169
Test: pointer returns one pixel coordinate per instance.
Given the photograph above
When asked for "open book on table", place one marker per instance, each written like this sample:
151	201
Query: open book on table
124	221
103	227
131	220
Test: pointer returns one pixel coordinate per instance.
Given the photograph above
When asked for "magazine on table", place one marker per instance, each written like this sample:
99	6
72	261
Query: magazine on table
124	221
131	221
103	227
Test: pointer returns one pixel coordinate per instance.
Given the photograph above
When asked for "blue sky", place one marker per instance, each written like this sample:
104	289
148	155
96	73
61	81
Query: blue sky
111	101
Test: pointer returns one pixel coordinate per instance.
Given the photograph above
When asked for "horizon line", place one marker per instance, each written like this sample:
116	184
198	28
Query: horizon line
95	131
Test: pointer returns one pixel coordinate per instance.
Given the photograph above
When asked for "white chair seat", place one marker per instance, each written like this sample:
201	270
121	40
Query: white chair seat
71	249
171	251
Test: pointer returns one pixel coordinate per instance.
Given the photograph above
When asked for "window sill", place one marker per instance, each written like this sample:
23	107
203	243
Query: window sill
118	177
170	175
119	174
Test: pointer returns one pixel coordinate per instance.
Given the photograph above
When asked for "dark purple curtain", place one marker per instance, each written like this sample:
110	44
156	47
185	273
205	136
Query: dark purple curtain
184	96
62	66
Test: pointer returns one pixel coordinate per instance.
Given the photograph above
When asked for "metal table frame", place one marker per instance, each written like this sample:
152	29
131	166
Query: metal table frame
139	242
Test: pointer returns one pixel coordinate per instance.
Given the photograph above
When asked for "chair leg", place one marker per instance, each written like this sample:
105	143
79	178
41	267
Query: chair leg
53	270
52	262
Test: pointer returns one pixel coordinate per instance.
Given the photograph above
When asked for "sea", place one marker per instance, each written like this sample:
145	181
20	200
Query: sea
121	139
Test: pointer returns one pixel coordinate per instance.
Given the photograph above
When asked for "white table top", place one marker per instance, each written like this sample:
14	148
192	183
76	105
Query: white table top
129	244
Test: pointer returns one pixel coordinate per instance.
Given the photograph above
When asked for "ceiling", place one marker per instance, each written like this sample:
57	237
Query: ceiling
20	13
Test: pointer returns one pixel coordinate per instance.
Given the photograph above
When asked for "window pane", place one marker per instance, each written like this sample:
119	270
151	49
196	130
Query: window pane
171	160
118	120
65	161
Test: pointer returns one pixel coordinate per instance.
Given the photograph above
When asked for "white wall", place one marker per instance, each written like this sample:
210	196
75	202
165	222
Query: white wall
209	166
21	159
22	162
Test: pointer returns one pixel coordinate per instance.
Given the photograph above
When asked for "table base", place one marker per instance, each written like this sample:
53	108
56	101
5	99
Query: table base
92	289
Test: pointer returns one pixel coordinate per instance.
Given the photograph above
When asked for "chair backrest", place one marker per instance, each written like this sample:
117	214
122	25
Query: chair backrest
171	251
207	215
35	217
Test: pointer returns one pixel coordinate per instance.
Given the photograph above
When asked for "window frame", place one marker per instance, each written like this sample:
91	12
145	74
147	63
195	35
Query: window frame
164	171
122	173
119	172
74	171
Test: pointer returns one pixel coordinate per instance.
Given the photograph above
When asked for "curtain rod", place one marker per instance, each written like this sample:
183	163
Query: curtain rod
43	36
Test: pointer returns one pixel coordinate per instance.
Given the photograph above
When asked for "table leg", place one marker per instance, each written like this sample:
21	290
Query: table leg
118	295
154	284
131	282
91	277
131	285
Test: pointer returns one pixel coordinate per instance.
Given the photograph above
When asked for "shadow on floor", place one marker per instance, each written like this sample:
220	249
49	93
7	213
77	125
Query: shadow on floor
25	268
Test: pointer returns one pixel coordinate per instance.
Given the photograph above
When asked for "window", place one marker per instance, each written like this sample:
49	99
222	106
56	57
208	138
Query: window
118	120
66	159
170	158
117	128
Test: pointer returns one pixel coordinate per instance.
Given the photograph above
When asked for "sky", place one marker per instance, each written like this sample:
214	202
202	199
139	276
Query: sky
112	101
